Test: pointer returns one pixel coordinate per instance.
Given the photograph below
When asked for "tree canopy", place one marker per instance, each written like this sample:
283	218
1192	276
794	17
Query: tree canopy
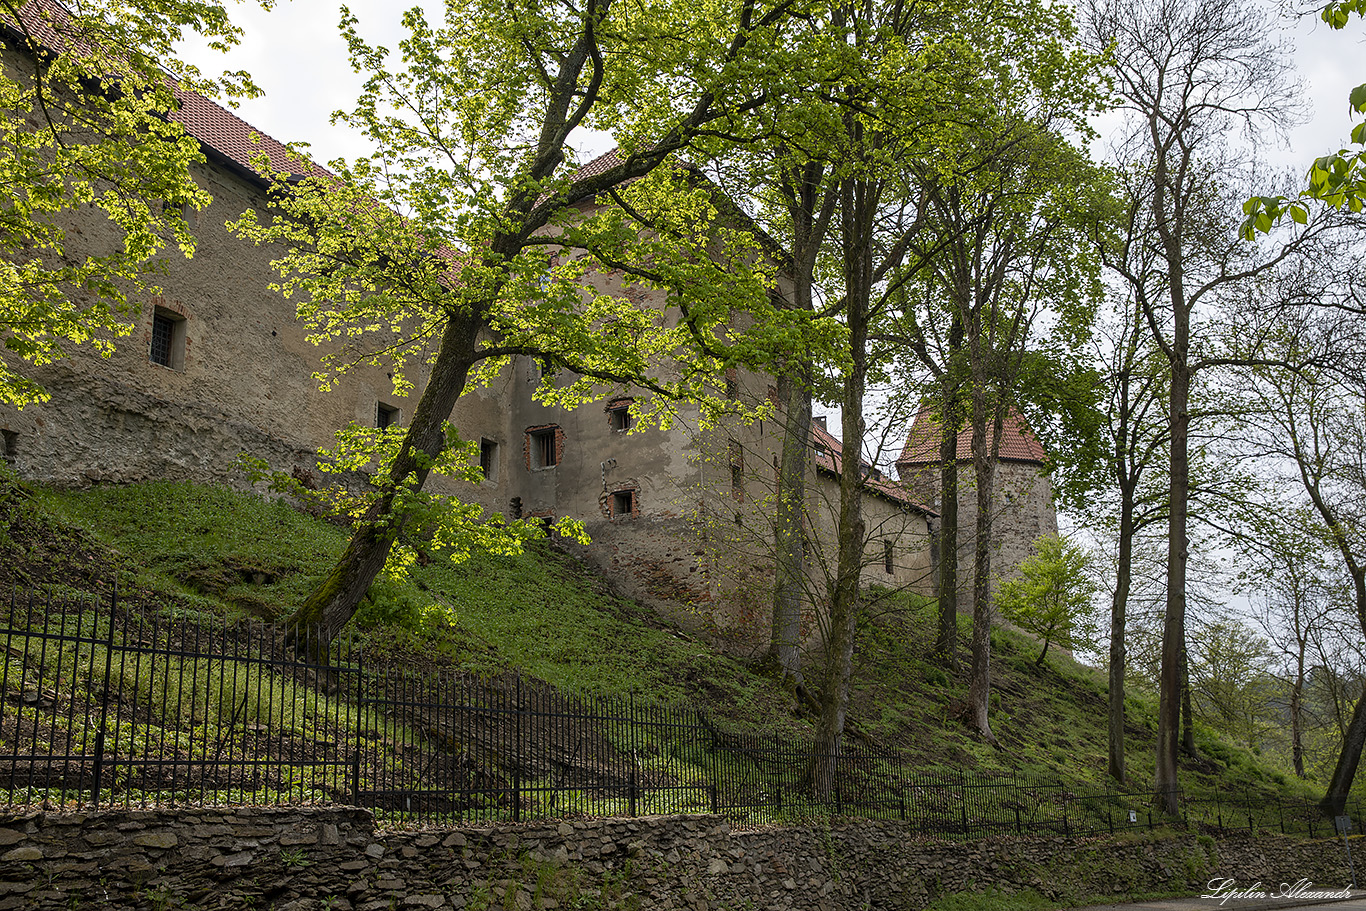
84	106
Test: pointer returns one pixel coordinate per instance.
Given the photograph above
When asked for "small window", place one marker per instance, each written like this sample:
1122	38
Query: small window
737	471
11	444
386	416
732	384
623	503
543	447
168	339
488	459
887	557
621	419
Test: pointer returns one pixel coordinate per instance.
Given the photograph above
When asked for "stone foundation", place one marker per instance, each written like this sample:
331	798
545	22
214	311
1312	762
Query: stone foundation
306	859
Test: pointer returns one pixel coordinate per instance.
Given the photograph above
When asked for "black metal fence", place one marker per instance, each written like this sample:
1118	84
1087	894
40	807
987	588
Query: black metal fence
103	706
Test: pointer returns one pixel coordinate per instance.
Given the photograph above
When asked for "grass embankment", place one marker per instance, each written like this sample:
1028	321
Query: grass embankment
190	549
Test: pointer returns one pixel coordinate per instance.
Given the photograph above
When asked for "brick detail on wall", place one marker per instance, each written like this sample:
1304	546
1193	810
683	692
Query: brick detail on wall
528	437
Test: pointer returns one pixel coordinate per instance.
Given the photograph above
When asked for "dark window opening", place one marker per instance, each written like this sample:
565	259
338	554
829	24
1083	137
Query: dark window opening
737	471
732	384
887	557
515	507
11	443
621	419
544	452
623	503
385	416
168	340
488	459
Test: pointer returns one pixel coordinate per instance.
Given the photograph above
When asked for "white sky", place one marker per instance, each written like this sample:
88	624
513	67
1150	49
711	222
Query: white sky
297	55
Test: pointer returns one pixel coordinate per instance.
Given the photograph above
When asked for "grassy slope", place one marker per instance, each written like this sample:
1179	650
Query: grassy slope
197	549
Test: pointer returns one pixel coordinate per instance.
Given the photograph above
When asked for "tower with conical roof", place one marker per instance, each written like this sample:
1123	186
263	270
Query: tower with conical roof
1023	498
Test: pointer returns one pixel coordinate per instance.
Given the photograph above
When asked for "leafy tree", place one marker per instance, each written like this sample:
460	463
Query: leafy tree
1188	74
1136	393
1231	680
1312	419
83	107
1339	179
1051	596
471	156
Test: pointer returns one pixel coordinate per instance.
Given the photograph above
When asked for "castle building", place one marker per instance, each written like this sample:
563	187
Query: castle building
1023	495
218	365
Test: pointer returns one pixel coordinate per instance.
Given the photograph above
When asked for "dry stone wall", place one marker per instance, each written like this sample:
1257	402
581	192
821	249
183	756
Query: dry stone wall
313	859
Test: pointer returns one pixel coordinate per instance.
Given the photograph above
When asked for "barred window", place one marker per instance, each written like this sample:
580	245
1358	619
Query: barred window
168	339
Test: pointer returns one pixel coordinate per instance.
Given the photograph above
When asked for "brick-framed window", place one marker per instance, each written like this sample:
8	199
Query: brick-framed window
732	384
544	447
167	343
619	415
623	503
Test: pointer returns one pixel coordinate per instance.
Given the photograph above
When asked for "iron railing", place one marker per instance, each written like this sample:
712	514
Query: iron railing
106	706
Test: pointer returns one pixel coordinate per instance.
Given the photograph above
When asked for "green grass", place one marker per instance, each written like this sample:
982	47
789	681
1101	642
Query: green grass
192	549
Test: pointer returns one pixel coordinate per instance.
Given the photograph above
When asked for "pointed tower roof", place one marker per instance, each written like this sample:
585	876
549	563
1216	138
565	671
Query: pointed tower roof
1018	443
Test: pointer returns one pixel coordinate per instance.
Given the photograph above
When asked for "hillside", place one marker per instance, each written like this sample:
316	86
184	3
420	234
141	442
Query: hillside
191	550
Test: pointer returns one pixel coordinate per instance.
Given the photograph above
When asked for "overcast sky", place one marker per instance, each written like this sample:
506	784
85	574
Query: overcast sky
297	55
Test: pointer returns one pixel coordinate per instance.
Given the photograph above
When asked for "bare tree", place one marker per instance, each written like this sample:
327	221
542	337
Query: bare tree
1188	75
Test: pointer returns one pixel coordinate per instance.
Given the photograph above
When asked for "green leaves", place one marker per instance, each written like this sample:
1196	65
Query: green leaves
1337	180
88	139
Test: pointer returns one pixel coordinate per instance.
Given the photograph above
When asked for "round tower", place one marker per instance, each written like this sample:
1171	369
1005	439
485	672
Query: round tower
1022	501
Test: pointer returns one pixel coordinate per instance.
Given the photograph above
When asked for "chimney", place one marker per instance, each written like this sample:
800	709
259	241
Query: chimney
820	421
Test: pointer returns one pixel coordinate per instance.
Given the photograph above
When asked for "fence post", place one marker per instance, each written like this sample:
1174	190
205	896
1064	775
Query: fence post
633	791
1062	793
517	754
715	786
104	694
963	801
360	725
1280	811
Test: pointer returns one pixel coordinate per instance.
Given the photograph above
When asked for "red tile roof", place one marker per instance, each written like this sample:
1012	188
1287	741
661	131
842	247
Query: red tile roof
233	138
1018	444
830	459
216	128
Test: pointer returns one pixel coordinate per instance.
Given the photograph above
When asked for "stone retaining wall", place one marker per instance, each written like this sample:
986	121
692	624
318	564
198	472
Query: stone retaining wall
307	859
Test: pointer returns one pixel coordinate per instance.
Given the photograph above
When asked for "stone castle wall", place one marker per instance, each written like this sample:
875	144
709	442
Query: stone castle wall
314	859
1023	511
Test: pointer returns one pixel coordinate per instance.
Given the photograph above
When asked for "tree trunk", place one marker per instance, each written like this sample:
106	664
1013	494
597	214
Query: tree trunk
1297	713
857	204
1170	689
1118	648
789	542
979	688
1187	717
1345	770
946	584
320	618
